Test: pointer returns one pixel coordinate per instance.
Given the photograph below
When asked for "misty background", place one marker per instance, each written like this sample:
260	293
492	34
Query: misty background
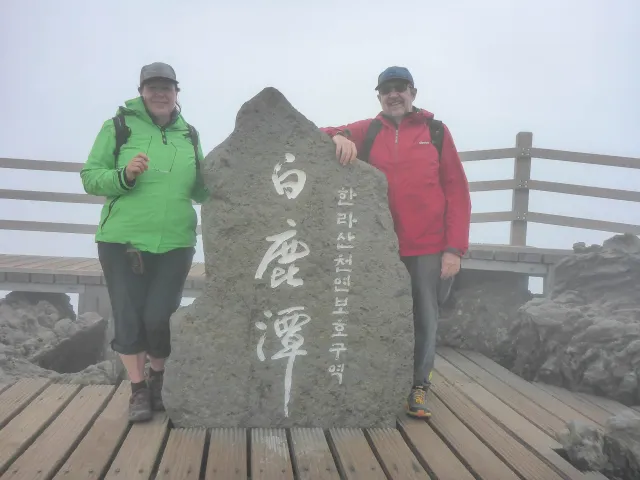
566	70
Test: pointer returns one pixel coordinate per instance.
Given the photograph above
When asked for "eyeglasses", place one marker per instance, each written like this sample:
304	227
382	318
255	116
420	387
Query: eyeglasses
389	87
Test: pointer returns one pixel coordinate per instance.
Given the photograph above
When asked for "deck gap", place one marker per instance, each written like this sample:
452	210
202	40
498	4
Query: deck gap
292	456
507	432
455	452
163	445
248	454
37	434
334	454
376	454
205	454
19	410
415	451
115	451
514	436
543	407
83	433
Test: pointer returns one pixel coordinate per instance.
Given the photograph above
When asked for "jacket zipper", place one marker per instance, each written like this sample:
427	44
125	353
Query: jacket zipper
113	202
164	136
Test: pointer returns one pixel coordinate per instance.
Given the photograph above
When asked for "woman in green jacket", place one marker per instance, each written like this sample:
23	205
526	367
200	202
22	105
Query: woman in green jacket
146	161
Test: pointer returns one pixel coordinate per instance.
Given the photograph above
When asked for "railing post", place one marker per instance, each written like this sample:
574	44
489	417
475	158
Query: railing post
522	175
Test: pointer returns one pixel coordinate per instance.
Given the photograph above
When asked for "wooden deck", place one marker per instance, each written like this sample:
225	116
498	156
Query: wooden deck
487	424
62	273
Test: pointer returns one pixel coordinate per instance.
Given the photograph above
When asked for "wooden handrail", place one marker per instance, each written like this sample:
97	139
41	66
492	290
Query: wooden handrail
521	184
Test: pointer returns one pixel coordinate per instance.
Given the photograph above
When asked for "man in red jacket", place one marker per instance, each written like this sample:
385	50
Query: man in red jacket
429	202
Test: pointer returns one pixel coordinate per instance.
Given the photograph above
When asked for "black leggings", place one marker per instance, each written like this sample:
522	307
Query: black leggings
142	303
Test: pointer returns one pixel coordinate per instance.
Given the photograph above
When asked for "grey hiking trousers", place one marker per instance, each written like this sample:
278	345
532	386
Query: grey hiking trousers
429	291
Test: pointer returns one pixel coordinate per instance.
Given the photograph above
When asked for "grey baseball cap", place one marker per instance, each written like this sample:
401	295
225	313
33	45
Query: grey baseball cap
157	70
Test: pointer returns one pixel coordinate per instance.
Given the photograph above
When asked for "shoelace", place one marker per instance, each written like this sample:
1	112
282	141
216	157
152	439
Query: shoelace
419	395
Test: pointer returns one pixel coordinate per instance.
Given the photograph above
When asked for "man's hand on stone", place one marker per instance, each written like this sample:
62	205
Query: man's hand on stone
450	265
345	149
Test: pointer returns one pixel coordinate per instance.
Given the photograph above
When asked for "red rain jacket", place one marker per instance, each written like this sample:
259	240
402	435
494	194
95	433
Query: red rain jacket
429	198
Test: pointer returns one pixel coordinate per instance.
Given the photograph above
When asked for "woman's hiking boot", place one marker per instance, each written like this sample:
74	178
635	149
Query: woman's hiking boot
140	405
155	387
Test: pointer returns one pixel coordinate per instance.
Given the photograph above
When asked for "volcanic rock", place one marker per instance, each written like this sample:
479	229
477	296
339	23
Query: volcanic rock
305	316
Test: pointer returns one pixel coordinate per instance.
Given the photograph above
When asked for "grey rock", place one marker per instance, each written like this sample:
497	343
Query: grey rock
614	451
585	335
480	312
234	348
622	446
584	445
40	336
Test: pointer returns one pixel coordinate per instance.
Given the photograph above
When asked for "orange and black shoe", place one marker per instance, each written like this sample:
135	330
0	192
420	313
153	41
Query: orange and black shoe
417	403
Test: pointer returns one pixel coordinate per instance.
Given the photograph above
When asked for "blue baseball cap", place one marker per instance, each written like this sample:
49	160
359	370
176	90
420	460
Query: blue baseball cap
394	73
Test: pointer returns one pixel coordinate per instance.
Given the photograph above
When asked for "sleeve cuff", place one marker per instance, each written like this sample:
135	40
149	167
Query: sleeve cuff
125	184
455	251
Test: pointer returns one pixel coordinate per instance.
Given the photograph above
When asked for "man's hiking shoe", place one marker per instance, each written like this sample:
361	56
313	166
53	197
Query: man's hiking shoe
140	406
417	403
155	387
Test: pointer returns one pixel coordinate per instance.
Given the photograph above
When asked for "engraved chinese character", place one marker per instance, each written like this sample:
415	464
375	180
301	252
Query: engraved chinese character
284	249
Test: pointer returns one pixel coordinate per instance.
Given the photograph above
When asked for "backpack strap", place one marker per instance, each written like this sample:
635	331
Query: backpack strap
193	135
372	131
122	135
436	129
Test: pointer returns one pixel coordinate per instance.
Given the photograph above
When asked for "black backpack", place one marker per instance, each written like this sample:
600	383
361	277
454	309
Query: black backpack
123	132
436	128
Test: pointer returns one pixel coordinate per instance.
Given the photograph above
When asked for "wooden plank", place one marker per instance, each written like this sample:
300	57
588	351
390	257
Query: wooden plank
537	269
488	185
398	462
597	414
44	165
482	461
486	217
530	390
584	190
227	457
197	270
585	223
432	451
510	420
312	458
547	421
137	455
39	196
4	386
92	456
18	434
18	396
52	227
43	458
590	158
270	458
608	404
512	452
182	457
493	154
355	458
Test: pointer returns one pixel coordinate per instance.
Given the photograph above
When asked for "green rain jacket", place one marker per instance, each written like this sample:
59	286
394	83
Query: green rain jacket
156	213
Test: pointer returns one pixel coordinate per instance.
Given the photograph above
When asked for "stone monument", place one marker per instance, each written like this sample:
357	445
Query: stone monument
305	319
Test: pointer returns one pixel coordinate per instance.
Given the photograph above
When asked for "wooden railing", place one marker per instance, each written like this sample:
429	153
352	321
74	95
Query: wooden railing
521	184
